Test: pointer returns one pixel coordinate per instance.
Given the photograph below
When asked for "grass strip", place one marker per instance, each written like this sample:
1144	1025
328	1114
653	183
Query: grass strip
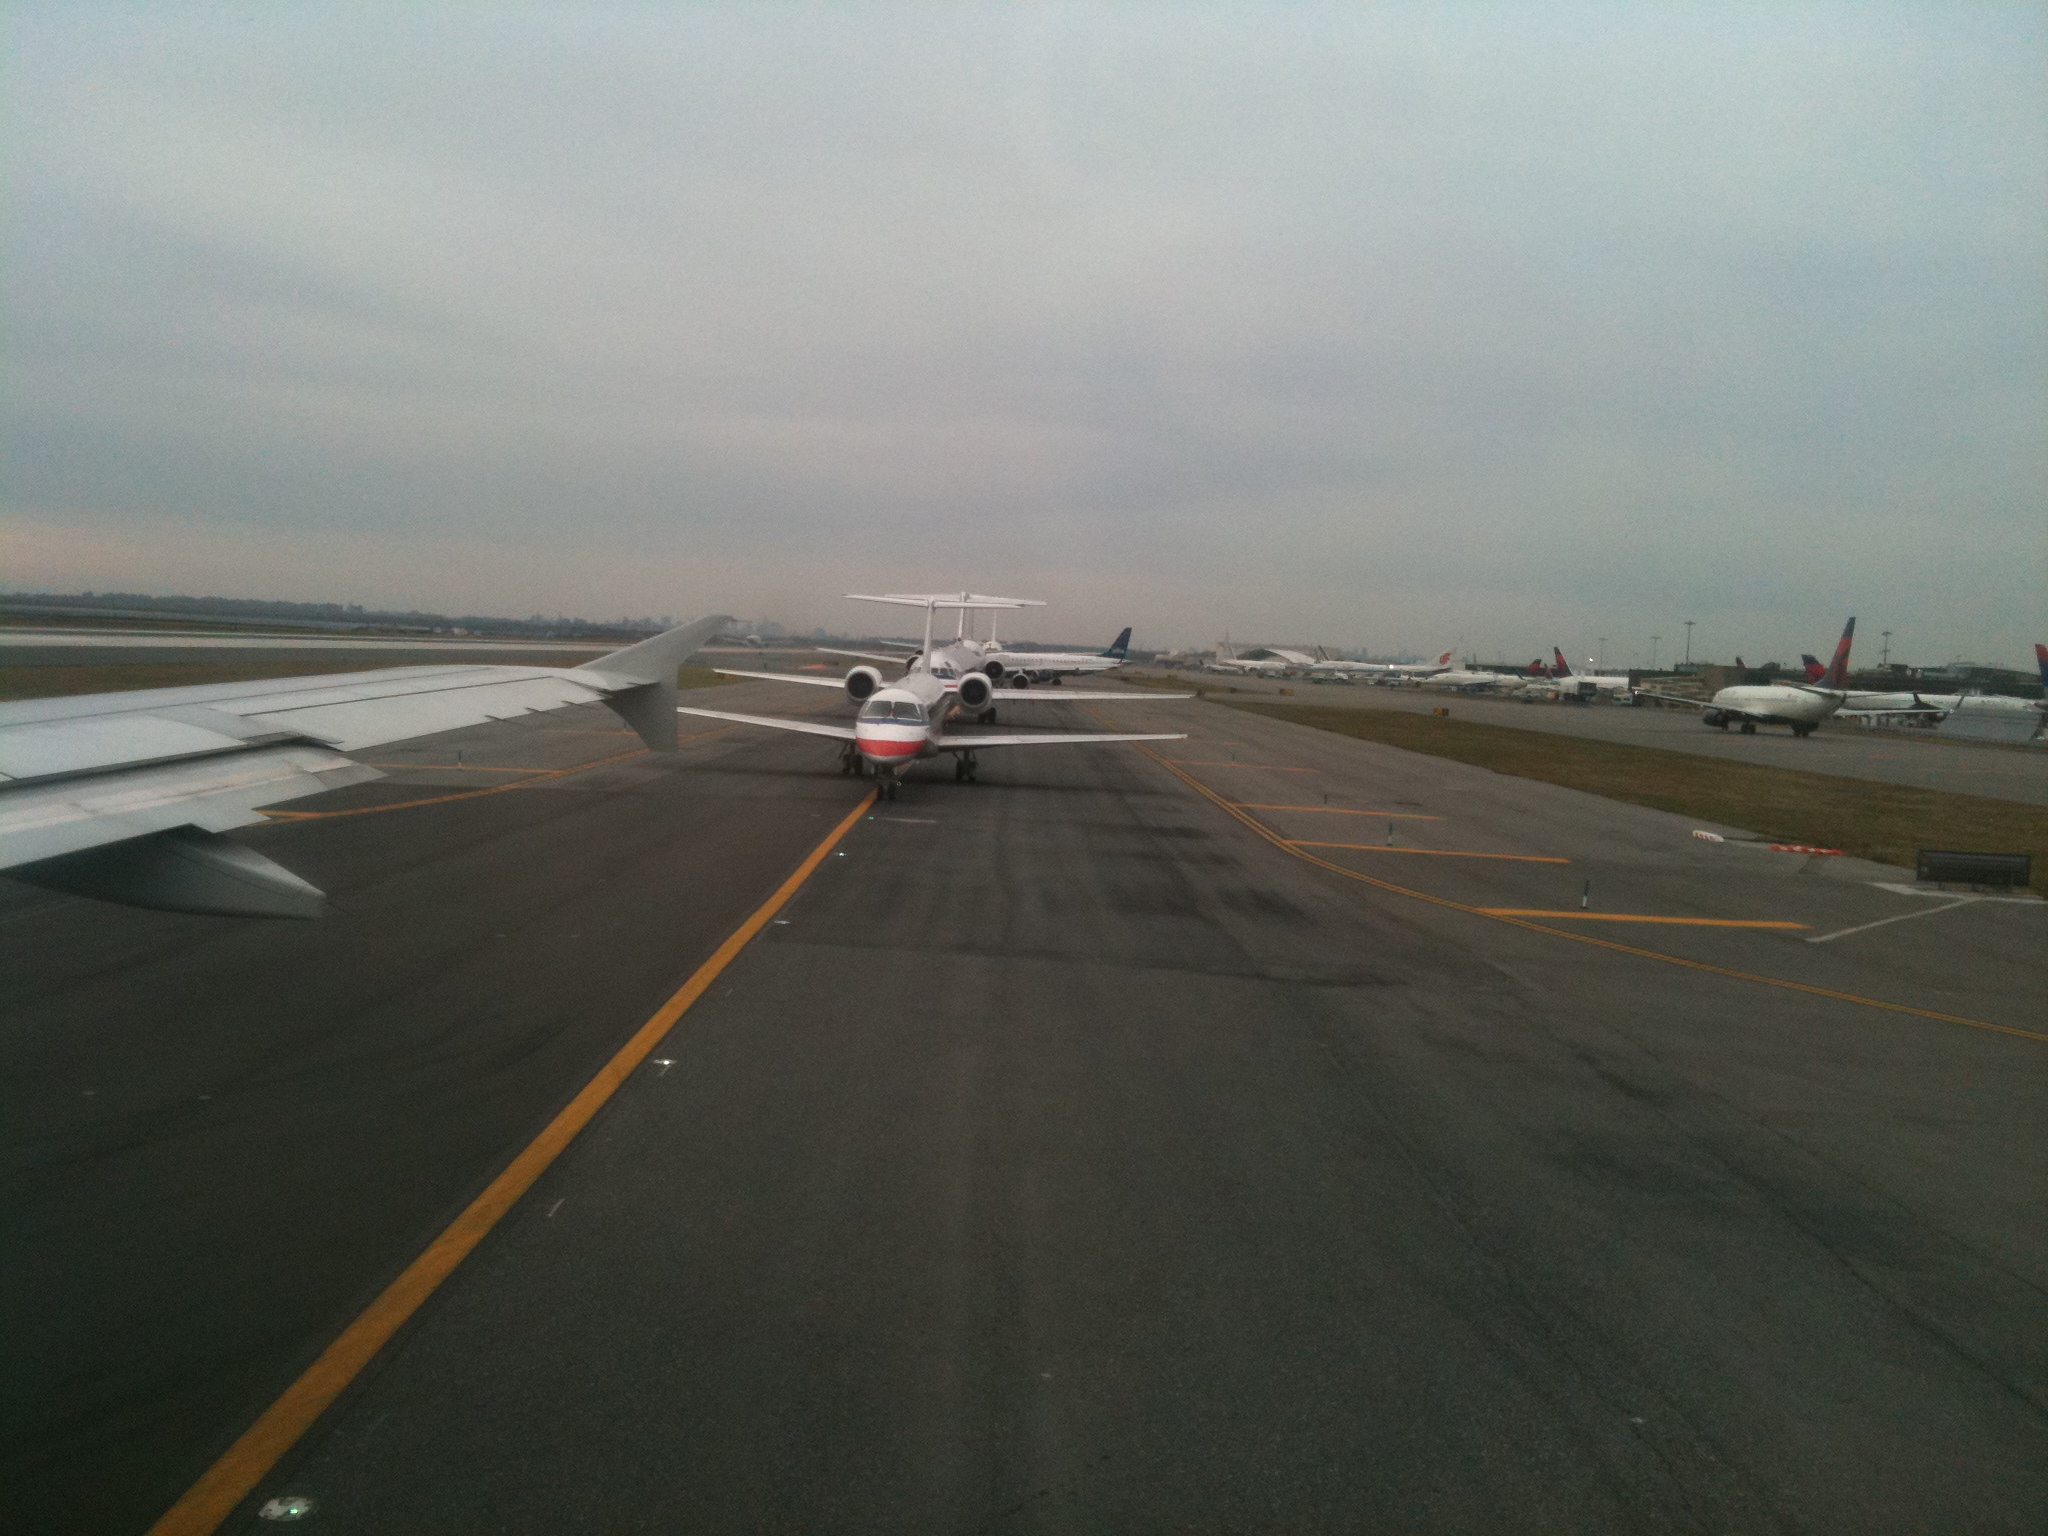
1887	823
62	681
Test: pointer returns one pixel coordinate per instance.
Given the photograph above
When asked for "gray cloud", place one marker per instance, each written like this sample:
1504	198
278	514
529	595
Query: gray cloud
1396	326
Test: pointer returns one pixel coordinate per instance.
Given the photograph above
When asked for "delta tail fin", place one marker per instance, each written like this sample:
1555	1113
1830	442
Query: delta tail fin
1814	670
1561	667
1837	674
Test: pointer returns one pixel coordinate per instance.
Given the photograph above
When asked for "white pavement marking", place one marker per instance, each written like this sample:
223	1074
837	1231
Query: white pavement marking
1843	933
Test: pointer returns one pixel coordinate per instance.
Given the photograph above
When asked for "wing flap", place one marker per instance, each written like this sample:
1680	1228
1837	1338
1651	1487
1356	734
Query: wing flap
44	821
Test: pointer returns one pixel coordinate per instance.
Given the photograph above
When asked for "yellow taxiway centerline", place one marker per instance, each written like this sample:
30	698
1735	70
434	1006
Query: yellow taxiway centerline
1441	853
1637	917
1189	762
249	1460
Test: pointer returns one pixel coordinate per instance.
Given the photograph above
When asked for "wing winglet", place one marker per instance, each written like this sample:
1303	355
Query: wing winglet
639	682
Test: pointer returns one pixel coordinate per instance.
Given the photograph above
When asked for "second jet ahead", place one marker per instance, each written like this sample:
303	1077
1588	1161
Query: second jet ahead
911	719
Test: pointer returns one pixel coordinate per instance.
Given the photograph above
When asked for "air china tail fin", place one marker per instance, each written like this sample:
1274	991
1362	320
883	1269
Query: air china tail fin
1562	668
1442	661
1121	645
1837	674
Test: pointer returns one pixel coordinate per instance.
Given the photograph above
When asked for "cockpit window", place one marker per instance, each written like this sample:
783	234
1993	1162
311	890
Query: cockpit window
941	669
893	709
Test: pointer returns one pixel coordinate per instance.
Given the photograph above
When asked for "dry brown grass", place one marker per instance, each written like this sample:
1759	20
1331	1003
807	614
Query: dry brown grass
1888	823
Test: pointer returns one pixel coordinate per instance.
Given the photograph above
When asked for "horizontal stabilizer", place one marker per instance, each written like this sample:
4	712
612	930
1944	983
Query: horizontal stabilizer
774	723
1074	696
783	677
974	743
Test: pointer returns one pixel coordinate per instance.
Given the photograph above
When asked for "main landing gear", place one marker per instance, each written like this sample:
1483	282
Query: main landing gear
1749	727
849	760
986	717
965	768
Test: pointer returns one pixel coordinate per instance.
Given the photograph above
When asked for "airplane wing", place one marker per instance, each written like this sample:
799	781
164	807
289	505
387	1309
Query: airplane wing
1669	698
901	659
775	723
1072	696
974	743
784	677
124	796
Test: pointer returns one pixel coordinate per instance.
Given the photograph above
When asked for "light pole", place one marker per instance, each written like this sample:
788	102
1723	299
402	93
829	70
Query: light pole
1602	660
1688	642
1653	651
1885	660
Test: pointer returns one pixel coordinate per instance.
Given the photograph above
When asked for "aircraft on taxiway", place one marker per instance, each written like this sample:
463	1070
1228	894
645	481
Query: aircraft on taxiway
912	719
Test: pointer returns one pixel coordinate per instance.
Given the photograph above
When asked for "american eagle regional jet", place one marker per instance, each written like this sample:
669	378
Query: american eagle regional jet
911	719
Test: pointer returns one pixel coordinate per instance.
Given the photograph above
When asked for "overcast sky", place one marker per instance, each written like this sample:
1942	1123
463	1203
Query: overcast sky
1399	326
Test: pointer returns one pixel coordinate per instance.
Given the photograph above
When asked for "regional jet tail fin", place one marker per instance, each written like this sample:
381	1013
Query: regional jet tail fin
1837	674
1120	647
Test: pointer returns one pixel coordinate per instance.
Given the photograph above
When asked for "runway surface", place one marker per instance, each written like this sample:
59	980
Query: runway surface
1076	1153
1888	756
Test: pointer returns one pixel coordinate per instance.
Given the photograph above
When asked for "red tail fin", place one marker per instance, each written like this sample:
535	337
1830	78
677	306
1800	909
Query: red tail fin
1837	675
1564	668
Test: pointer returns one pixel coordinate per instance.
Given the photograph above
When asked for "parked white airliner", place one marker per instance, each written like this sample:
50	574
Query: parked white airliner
904	722
1380	671
1798	705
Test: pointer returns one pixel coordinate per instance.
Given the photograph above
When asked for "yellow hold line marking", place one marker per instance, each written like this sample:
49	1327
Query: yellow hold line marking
1441	853
1780	982
1636	917
249	1460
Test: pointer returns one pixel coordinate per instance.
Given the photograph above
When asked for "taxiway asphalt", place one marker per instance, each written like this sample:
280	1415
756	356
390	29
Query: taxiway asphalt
1254	1132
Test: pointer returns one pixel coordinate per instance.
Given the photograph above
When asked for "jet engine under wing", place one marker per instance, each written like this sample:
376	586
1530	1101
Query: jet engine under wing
166	770
775	723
